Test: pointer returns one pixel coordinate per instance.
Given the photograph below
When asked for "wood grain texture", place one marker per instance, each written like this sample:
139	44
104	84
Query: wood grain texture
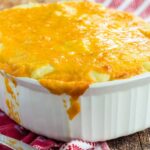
131	142
137	141
145	139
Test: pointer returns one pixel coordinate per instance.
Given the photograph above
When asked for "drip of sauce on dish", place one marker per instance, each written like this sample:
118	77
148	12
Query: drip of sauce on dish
12	103
12	111
65	103
14	82
74	108
9	89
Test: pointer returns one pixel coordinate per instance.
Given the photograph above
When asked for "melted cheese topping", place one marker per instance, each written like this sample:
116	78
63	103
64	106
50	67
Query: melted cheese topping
67	46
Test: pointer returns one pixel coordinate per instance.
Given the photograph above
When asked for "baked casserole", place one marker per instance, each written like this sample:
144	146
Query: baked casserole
68	46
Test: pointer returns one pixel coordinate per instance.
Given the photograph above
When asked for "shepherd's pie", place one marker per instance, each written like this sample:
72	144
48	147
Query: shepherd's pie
67	46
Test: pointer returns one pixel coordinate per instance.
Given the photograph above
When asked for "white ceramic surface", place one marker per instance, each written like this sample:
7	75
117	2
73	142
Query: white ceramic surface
108	110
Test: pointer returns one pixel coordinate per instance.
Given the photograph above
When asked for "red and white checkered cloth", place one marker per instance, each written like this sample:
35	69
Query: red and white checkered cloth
9	128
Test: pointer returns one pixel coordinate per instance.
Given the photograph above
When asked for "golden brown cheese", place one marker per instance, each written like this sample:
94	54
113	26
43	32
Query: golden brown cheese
67	46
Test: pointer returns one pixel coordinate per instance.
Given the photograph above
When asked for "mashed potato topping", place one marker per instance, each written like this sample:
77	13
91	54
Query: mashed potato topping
68	46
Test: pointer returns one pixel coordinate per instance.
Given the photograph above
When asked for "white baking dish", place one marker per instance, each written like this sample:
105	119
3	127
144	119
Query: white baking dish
108	110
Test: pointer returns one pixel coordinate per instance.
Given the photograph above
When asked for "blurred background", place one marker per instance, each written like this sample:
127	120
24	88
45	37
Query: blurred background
138	7
10	3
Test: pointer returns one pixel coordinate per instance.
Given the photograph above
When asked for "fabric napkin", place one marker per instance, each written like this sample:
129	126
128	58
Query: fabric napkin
11	129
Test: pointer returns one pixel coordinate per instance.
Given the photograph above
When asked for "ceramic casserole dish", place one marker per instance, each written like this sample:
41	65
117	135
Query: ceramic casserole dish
102	111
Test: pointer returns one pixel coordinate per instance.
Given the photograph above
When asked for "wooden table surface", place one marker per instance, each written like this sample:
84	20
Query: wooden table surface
138	141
